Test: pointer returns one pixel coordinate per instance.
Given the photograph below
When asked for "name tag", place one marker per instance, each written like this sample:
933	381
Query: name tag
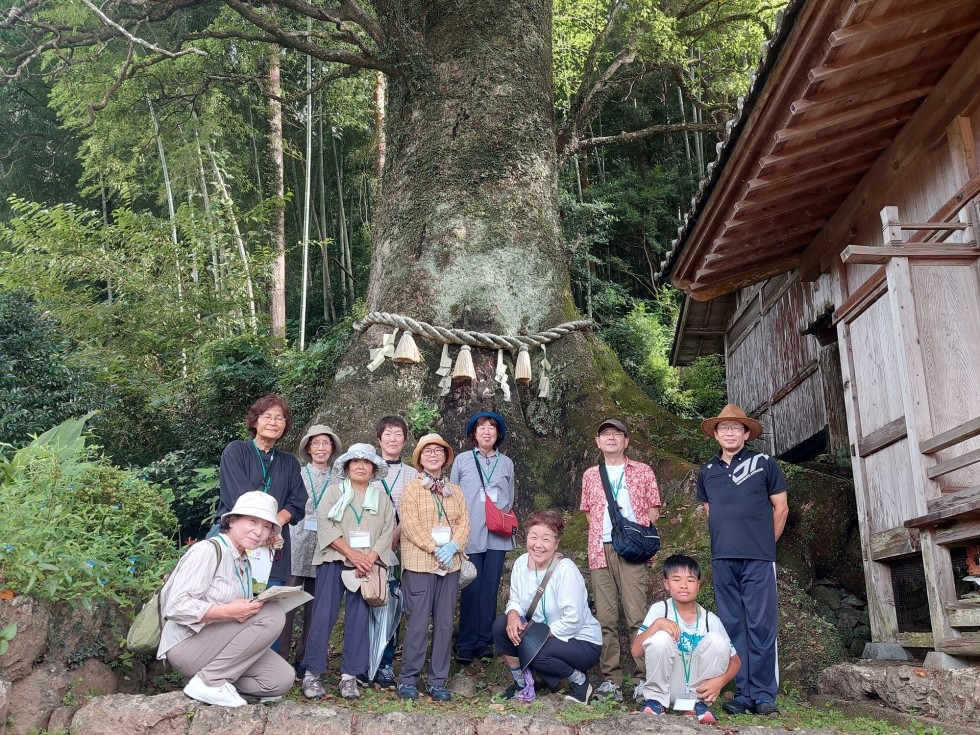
442	534
309	523
360	539
260	561
685	701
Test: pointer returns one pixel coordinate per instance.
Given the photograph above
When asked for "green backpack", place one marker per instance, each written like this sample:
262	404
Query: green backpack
147	628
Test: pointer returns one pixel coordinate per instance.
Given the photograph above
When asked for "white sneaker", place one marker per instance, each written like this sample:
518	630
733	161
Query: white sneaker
609	690
638	695
224	696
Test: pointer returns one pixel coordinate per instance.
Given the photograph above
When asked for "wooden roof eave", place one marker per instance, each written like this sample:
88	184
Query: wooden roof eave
949	98
801	51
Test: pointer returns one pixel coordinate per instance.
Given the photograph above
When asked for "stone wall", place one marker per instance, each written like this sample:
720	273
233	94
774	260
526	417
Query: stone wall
175	714
57	662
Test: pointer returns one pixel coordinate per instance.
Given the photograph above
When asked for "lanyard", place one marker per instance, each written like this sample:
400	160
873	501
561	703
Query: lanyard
685	661
318	498
356	516
394	483
544	592
479	468
246	583
266	471
439	508
619	484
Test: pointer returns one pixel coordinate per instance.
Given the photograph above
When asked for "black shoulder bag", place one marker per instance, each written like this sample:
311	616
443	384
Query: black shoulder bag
636	544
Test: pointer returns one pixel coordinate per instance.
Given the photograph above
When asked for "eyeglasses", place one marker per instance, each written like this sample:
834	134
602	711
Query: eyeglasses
611	432
324	444
736	429
433	449
272	419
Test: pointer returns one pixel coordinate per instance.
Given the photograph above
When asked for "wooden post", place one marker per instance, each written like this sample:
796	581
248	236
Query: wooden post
935	557
878	578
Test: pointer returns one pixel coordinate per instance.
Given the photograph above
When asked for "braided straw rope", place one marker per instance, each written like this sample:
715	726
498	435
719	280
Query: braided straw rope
464	337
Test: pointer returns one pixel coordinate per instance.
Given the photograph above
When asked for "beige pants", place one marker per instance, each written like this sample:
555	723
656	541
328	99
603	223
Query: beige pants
239	653
619	582
665	680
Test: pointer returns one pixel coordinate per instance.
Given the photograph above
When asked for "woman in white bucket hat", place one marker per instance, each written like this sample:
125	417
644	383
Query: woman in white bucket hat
215	632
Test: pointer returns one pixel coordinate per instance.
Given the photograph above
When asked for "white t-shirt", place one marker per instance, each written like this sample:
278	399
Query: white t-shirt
617	483
564	606
691	633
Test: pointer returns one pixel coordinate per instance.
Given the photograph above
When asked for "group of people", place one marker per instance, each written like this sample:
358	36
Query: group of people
328	525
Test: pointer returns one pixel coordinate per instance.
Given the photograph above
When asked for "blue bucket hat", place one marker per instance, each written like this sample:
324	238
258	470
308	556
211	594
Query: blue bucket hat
496	418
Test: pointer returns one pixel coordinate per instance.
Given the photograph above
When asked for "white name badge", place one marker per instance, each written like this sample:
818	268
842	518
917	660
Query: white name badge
360	539
442	534
685	701
309	523
260	561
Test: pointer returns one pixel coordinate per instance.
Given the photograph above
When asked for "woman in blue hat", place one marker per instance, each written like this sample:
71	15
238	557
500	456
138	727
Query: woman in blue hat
486	476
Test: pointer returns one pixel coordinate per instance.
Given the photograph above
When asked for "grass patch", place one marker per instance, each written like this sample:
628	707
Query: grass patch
799	715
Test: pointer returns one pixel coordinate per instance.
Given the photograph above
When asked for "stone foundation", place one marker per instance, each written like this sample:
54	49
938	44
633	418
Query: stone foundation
950	695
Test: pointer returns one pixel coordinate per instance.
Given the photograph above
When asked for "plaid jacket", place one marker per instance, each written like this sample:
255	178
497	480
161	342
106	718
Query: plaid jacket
419	514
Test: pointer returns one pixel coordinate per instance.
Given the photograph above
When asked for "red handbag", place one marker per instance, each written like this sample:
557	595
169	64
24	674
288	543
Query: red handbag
498	522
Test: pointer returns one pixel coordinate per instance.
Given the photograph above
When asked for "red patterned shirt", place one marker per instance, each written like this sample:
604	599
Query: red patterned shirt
644	494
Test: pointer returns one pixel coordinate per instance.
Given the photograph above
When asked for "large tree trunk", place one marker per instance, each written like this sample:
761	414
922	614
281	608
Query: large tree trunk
466	235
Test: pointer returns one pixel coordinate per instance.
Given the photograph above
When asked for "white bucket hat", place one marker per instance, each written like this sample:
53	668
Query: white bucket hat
258	505
360	451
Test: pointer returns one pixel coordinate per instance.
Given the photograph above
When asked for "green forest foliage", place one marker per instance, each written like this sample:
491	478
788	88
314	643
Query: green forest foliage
75	527
109	304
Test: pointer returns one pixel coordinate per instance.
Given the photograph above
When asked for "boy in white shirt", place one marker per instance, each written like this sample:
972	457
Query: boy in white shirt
689	656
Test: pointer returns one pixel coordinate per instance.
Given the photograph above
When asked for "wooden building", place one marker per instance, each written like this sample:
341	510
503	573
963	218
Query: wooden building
832	255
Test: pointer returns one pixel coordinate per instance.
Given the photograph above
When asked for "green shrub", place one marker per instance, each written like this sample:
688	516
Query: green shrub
41	381
76	528
704	386
304	377
642	341
193	484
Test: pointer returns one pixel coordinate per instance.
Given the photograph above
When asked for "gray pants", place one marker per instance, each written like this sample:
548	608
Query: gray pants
665	680
237	652
428	596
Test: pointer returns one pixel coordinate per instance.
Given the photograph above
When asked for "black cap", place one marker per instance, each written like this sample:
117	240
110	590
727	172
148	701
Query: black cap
613	423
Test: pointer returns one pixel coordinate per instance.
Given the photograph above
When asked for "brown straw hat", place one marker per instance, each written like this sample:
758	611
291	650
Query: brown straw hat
432	439
731	412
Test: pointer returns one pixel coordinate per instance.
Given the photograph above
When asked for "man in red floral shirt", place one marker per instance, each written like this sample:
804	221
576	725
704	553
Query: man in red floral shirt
634	488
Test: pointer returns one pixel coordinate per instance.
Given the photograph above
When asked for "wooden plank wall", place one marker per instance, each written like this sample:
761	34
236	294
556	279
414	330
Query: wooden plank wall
912	357
879	401
773	370
948	314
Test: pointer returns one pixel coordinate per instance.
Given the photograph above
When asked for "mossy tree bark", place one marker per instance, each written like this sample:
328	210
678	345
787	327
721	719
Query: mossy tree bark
466	231
466	235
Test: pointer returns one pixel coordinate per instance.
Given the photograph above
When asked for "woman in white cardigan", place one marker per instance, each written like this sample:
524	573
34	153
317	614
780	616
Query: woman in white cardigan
575	639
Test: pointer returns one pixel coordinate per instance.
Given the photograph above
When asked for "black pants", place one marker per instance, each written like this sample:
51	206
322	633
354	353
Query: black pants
556	660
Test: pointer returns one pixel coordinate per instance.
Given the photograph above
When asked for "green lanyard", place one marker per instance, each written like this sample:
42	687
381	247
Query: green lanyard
619	485
394	482
266	471
357	516
544	593
476	461
318	498
246	583
685	661
439	507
